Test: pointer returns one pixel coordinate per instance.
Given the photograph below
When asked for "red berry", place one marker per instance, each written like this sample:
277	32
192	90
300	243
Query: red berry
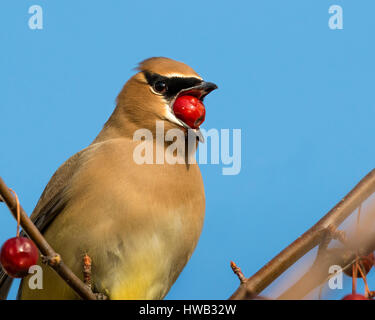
190	110
354	296
17	256
365	263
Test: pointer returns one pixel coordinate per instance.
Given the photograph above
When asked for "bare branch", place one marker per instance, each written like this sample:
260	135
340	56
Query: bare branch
53	259
310	239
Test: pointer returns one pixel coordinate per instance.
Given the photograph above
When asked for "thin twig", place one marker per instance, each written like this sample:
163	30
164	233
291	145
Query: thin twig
87	271
367	290
53	259
354	276
237	271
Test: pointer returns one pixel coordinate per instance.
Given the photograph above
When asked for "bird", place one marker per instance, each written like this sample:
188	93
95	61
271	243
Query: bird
139	223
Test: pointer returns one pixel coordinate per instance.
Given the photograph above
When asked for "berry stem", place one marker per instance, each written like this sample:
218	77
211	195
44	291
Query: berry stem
367	290
354	276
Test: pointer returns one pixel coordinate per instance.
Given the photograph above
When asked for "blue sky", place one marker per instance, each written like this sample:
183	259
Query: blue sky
302	94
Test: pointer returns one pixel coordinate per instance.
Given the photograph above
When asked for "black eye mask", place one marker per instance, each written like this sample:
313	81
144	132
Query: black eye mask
173	85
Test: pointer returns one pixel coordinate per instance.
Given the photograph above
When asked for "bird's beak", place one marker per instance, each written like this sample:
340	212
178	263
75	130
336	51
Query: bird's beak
199	91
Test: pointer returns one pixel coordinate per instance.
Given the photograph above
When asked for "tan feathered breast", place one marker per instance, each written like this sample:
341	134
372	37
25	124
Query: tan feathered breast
139	223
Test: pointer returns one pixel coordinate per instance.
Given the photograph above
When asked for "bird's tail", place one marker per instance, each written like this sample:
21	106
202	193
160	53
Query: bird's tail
5	284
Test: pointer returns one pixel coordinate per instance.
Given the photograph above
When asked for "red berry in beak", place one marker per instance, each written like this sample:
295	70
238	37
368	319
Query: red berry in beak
190	110
354	296
17	256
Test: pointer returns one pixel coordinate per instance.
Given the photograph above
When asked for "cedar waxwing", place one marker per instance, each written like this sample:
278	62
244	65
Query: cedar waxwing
139	223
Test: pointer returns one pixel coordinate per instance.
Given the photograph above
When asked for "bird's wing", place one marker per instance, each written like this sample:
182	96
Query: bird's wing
51	201
50	204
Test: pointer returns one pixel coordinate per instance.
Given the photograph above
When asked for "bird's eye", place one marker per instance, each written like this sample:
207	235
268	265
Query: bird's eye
160	86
